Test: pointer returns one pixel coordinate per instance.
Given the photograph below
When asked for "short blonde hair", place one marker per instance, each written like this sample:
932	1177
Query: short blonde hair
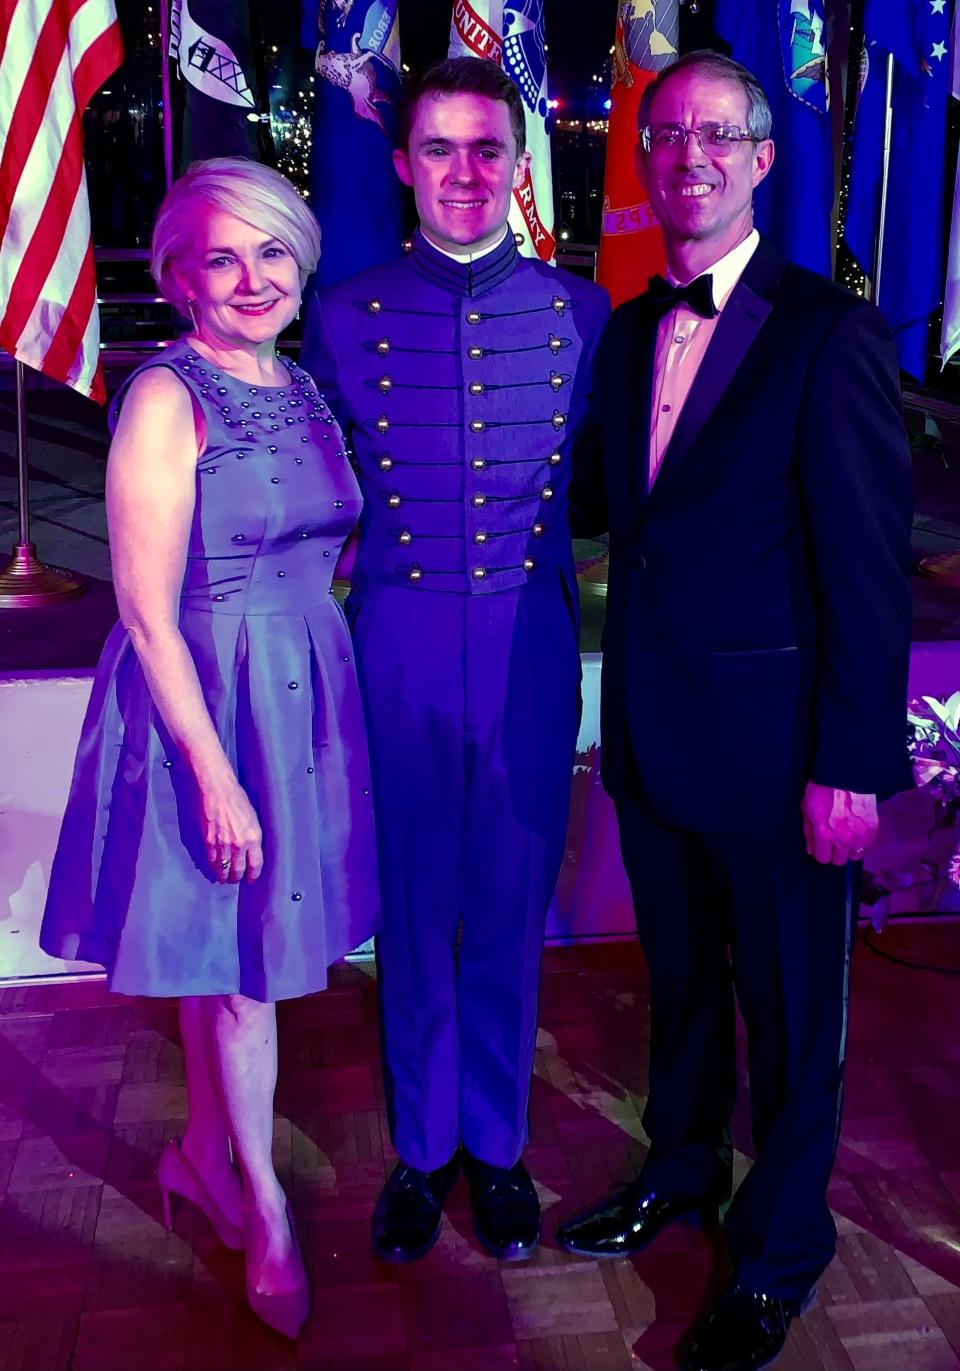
249	191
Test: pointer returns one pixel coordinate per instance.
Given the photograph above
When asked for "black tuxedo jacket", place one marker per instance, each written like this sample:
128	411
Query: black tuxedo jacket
758	607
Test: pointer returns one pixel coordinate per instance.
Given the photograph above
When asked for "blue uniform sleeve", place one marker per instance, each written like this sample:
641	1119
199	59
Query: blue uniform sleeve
588	499
318	357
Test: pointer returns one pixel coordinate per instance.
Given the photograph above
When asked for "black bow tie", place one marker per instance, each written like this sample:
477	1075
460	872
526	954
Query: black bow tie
696	294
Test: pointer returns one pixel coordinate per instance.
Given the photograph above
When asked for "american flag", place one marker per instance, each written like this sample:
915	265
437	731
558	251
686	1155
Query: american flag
54	54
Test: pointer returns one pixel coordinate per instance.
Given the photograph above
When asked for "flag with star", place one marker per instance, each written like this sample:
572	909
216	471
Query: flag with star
950	333
783	45
631	244
916	33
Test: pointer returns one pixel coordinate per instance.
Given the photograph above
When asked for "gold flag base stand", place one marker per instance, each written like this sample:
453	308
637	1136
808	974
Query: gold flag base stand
27	583
943	567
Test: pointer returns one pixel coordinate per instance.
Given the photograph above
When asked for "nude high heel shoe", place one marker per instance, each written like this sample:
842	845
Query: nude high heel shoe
178	1176
285	1313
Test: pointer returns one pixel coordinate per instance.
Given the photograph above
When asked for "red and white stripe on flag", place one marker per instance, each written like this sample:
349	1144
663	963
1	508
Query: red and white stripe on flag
510	33
54	55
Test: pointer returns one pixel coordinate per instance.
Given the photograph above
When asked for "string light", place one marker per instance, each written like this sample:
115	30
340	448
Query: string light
292	137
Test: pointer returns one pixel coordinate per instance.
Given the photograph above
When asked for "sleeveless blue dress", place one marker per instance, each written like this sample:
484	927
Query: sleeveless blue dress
131	887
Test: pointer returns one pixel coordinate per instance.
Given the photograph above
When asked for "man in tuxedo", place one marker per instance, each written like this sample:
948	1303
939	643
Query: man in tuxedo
745	447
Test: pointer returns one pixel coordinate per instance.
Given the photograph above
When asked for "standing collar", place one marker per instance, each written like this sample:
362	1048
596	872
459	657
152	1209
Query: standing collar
465	278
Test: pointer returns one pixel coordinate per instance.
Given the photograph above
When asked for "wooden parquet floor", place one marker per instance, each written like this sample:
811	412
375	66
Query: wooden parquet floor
91	1087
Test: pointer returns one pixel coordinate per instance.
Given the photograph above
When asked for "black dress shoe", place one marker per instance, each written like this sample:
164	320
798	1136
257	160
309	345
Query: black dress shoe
745	1332
628	1219
506	1210
406	1220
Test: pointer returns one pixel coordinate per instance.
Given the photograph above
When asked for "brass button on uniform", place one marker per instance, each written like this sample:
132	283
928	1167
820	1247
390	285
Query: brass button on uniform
405	537
383	423
383	347
537	530
394	501
415	574
478	501
559	420
478	464
476	388
556	382
386	463
407	245
528	563
478	573
385	384
554	459
546	493
374	307
559	304
480	537
555	344
477	426
475	354
473	317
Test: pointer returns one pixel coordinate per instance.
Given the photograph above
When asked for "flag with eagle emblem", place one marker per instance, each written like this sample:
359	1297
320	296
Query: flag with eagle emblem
354	190
510	32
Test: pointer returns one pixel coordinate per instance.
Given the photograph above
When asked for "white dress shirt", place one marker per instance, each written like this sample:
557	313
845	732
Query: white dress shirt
682	340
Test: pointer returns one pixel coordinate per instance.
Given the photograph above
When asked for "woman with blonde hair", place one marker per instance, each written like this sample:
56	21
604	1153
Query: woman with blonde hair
218	843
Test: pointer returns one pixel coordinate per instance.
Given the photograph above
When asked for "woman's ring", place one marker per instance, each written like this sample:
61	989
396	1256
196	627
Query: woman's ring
225	863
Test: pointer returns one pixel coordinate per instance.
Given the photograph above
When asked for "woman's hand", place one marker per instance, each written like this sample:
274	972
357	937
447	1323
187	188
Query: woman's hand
232	833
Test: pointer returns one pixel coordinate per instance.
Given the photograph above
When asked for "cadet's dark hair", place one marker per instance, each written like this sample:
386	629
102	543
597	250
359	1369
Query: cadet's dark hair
721	68
459	76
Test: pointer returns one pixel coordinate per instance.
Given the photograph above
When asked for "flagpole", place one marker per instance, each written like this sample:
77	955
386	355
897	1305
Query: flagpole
884	179
25	582
165	92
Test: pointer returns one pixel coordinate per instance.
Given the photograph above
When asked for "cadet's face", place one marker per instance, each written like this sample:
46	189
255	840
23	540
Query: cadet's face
697	195
463	165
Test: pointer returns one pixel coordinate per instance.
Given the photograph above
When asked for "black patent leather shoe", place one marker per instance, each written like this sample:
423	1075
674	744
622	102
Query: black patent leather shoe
628	1219
745	1332
406	1220
506	1209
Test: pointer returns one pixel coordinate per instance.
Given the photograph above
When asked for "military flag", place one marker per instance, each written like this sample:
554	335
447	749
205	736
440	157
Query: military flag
511	33
354	190
950	333
782	43
222	109
917	34
631	245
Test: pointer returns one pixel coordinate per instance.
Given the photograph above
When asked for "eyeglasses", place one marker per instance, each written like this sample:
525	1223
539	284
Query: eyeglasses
718	139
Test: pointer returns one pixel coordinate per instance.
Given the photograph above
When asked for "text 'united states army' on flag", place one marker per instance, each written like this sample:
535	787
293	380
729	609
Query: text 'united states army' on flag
511	33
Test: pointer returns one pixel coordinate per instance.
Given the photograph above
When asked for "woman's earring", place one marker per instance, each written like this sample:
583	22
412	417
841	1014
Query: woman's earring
194	315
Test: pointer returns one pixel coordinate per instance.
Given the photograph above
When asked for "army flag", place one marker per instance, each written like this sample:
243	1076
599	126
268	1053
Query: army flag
782	43
631	245
917	34
950	333
510	32
222	110
354	190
